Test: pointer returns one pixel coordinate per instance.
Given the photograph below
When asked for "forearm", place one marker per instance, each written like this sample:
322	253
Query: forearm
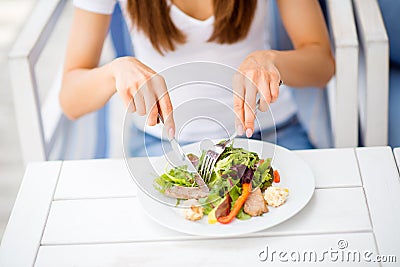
86	90
304	67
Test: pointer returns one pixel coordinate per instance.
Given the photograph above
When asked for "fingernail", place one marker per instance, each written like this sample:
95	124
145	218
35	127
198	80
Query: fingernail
249	132
171	133
240	129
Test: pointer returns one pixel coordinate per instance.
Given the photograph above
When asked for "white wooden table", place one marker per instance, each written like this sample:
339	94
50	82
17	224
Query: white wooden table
85	213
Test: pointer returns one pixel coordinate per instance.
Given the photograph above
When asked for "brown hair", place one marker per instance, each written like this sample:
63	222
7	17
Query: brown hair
232	20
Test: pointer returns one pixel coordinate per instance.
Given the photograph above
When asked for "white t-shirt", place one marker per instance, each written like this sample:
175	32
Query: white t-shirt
197	49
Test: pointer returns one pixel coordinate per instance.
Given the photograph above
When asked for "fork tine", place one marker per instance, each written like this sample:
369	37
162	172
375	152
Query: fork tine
203	166
209	159
210	168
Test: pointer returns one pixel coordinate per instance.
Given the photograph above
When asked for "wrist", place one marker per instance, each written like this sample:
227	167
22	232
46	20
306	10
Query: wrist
109	72
111	68
270	56
262	58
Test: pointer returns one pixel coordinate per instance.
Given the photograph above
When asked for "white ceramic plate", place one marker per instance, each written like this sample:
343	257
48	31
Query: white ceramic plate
295	174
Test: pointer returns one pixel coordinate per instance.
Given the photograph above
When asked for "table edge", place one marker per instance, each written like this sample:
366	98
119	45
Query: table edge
23	234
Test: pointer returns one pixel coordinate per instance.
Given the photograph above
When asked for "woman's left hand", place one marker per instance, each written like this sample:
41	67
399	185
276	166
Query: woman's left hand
257	74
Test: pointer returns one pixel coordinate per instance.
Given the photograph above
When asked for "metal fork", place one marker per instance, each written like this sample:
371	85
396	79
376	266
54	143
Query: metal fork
212	156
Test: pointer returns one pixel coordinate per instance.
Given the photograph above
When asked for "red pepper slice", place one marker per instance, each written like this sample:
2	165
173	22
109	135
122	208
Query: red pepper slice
246	189
277	177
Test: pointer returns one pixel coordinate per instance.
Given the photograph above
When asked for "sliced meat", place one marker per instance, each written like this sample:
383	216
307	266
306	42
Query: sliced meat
200	182
255	204
193	159
183	192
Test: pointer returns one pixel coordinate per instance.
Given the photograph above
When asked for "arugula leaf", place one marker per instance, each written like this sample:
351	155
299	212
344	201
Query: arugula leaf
210	202
262	176
243	215
175	176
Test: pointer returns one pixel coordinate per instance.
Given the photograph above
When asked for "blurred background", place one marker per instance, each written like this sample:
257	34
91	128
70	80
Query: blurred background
13	14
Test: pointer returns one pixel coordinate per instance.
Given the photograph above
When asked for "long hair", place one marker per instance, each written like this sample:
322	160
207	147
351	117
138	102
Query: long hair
232	21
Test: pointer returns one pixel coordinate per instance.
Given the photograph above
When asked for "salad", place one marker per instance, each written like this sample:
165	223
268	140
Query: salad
241	187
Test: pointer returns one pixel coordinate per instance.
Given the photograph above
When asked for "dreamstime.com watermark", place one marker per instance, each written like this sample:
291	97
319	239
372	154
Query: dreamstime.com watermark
340	254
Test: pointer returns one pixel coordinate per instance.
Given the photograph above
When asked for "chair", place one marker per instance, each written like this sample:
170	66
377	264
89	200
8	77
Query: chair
390	10
374	69
38	125
46	134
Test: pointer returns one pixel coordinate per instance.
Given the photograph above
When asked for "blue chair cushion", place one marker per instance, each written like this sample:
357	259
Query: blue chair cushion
120	35
394	107
390	11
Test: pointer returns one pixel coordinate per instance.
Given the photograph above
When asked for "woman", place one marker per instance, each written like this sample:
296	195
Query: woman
170	32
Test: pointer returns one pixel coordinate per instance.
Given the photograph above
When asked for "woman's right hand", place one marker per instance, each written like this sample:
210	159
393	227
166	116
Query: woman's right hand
136	81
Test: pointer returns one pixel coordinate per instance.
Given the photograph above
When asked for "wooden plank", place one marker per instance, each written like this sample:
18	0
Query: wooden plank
110	178
342	90
344	110
124	220
333	167
342	23
218	252
382	189
375	52
100	178
370	22
24	231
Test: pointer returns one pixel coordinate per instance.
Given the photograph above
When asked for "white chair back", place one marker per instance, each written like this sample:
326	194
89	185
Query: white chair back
374	73
44	132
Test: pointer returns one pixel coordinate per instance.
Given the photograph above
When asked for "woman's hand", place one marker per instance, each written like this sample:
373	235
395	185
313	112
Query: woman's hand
136	81
257	74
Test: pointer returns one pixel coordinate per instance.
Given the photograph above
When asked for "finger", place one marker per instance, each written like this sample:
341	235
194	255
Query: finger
165	105
250	104
139	101
151	106
274	86
264	90
238	102
128	100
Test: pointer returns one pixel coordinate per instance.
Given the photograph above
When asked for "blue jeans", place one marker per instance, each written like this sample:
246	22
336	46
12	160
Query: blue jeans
289	134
